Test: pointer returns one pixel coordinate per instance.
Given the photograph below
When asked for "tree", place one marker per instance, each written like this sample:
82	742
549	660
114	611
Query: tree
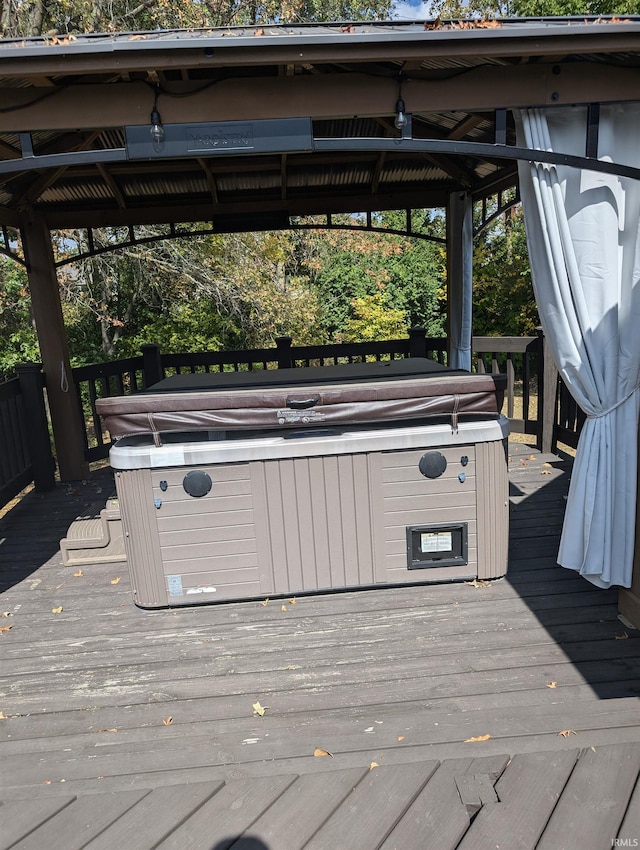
503	299
348	266
372	318
22	18
460	9
205	292
18	341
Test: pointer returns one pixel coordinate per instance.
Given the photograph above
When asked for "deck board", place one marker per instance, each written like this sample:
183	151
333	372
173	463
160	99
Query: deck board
141	723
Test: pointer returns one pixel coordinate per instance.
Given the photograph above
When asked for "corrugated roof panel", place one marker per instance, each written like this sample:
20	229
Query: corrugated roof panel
248	181
161	185
85	189
403	171
447	63
329	176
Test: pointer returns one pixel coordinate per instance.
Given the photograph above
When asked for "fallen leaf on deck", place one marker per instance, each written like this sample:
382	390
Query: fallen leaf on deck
79	574
47	782
552	684
479	738
547	464
7	614
478	583
369	729
401	737
2	715
107	730
292	601
57	610
546	472
115	580
264	603
532	457
318	752
373	764
259	709
168	721
523	463
284	608
5	628
566	732
623	636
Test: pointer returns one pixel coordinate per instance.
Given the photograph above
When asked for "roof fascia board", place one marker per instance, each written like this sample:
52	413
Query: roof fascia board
226	48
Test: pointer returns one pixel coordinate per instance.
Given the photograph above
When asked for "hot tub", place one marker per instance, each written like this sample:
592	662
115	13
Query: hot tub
251	485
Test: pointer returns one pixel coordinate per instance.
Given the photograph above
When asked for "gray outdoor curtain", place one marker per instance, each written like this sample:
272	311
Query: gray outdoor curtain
583	233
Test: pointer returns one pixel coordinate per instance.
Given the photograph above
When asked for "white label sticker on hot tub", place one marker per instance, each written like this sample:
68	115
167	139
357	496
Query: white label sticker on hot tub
174	584
293	417
436	541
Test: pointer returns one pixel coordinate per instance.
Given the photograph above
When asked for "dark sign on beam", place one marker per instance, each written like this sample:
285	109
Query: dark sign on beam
222	137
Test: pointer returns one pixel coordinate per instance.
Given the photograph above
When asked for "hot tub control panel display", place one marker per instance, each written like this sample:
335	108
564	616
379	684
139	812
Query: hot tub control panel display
440	545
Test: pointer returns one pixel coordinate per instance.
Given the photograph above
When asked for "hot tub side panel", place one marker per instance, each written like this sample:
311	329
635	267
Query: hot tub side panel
492	510
308	523
141	543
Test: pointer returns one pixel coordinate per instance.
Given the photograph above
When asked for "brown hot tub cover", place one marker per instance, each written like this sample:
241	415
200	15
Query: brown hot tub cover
350	394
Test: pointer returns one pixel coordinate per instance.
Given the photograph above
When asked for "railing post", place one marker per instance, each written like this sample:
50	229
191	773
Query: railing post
547	396
417	342
283	347
37	426
152	370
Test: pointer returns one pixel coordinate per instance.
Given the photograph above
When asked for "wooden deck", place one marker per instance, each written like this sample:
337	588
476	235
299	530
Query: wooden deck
131	729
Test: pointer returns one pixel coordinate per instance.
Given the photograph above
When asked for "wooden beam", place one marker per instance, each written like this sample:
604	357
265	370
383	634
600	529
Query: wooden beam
42	183
8	151
113	186
166	211
211	180
64	405
322	96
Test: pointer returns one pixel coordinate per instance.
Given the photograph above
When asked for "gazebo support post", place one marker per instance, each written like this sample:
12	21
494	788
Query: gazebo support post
459	279
47	310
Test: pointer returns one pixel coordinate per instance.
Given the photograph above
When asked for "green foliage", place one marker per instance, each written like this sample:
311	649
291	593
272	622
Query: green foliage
460	9
359	265
215	292
18	340
373	319
503	300
21	18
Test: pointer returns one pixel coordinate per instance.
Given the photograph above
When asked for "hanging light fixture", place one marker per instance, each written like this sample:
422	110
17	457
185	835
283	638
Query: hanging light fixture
157	130
401	116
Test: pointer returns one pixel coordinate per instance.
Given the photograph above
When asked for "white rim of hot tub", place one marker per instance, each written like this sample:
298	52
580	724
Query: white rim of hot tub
139	452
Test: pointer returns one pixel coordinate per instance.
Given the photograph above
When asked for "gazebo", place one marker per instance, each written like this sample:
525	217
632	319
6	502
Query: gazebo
254	128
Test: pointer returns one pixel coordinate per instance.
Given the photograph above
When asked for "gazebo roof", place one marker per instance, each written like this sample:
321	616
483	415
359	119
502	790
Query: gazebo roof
76	111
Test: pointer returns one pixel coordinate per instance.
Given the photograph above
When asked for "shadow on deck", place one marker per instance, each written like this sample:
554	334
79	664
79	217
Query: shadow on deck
421	717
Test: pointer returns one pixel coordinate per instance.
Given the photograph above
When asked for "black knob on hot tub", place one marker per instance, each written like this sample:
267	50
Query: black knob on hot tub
432	464
196	483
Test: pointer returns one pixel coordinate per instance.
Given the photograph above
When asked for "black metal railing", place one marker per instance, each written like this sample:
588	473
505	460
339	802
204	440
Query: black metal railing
25	453
521	358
